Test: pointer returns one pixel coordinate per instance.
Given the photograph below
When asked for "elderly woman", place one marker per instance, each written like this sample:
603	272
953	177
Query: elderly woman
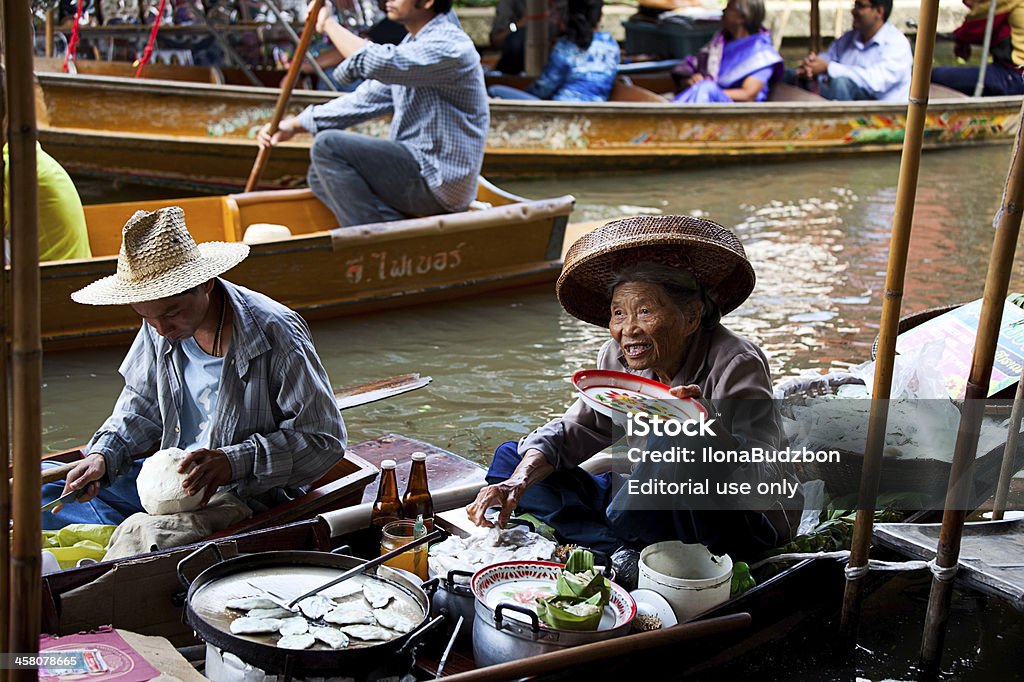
660	285
737	65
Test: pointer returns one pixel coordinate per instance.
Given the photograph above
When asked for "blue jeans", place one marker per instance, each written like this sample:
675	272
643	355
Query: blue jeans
839	89
366	179
999	80
508	92
110	507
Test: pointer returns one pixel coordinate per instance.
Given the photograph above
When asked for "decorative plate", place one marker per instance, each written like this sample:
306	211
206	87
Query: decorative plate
650	603
521	582
618	394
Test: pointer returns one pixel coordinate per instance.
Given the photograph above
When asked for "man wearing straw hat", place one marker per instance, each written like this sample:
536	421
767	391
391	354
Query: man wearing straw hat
220	371
660	285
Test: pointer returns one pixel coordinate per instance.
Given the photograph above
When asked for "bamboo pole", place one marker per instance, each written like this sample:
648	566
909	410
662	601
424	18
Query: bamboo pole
947	553
986	46
5	453
815	27
1010	453
536	27
49	32
899	244
286	92
26	376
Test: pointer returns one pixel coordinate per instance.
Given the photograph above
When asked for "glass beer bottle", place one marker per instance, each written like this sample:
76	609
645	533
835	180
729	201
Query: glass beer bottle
387	507
417	500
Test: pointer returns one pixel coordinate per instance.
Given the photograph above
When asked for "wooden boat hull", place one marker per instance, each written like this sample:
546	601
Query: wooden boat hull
319	272
216	123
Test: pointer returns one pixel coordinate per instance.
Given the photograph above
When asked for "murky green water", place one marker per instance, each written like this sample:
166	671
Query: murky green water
817	234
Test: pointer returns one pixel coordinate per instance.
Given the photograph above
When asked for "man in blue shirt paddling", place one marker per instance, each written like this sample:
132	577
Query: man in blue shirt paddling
871	61
432	85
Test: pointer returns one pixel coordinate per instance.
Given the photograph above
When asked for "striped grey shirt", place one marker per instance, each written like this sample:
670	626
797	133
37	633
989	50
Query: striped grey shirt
433	86
276	418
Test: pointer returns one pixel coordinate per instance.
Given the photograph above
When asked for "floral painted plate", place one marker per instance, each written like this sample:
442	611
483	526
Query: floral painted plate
521	582
618	394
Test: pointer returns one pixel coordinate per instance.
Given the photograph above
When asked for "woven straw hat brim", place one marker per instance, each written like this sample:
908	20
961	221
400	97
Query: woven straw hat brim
215	258
712	253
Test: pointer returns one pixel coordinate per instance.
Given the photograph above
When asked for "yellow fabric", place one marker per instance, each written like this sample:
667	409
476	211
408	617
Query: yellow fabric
78	541
62	230
1016	20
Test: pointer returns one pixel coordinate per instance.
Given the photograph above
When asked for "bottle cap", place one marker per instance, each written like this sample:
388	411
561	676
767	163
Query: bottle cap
388	464
419	456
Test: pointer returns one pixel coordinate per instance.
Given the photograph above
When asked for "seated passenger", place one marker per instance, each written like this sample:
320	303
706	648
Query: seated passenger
660	285
871	61
62	231
581	67
737	65
1003	73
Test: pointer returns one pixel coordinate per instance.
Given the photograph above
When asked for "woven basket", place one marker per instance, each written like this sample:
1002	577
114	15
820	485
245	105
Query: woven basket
928	477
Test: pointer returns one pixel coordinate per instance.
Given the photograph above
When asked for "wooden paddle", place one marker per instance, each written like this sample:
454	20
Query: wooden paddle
349	396
286	92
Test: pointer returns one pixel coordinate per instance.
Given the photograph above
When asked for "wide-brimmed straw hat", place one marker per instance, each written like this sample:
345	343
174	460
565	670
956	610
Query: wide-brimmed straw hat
710	252
159	258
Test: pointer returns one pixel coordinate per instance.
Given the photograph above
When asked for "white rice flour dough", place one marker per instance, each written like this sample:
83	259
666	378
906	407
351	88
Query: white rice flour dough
159	484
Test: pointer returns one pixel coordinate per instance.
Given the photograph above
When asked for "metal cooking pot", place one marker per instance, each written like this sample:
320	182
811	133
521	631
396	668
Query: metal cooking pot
499	637
454	598
290	573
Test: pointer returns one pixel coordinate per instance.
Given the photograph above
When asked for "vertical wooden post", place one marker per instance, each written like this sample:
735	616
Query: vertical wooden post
816	27
5	453
49	33
899	244
1006	469
537	37
961	477
26	376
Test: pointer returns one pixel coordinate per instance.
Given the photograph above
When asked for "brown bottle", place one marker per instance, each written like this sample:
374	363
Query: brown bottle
417	498
387	507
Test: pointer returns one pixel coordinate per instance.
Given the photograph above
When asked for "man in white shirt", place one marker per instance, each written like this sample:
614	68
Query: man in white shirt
871	61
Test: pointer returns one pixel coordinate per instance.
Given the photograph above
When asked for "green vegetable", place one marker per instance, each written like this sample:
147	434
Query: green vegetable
570	613
579	579
741	579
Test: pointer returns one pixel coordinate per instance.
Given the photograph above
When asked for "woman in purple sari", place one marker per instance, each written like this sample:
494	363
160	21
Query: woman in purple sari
737	65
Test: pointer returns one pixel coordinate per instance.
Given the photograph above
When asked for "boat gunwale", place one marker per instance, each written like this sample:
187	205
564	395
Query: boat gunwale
734	110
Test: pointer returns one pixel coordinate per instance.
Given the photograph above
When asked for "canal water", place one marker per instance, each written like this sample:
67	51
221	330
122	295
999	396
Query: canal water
817	234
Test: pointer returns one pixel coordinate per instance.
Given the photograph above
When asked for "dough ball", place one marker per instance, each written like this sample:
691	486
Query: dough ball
159	484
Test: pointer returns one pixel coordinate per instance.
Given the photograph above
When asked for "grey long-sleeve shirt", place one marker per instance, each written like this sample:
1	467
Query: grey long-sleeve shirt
276	418
728	368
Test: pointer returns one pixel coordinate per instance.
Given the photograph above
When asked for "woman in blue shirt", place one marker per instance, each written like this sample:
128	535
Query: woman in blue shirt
582	65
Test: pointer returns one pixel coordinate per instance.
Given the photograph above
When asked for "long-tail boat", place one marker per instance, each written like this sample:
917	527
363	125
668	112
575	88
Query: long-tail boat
321	270
201	136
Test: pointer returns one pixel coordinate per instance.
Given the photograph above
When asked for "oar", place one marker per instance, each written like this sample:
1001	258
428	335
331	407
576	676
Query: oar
286	92
349	396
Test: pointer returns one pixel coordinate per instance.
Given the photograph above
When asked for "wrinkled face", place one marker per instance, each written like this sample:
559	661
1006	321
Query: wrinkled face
651	330
176	317
866	16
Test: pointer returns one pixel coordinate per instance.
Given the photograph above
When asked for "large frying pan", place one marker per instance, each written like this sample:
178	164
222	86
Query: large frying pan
288	574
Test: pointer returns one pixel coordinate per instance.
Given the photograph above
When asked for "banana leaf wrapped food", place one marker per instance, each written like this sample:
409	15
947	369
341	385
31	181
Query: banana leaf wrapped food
581	595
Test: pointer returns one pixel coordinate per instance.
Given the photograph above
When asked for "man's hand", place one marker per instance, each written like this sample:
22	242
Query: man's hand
286	130
326	15
812	66
207	470
688	391
85	477
694	79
